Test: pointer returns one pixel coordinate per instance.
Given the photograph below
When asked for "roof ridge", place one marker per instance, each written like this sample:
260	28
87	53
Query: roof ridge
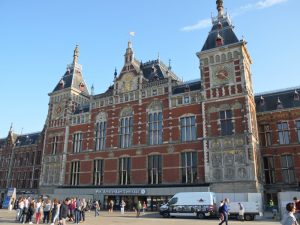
278	90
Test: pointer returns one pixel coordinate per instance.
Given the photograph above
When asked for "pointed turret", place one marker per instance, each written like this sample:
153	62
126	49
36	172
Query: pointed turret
220	8
73	76
75	55
222	27
129	56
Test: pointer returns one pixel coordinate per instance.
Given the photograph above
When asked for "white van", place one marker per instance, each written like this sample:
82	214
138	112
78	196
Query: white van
251	209
199	204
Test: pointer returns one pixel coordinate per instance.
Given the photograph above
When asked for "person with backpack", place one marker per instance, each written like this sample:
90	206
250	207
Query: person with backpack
241	212
224	211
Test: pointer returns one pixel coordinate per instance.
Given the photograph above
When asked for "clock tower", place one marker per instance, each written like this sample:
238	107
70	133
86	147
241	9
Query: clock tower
230	137
70	92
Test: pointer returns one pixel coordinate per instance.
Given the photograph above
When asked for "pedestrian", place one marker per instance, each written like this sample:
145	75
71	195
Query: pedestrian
55	211
78	211
138	208
83	209
224	210
220	210
38	211
63	212
97	208
297	205
241	212
47	208
289	218
144	207
123	204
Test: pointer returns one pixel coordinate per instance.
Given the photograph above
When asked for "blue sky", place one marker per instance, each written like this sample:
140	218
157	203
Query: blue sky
38	38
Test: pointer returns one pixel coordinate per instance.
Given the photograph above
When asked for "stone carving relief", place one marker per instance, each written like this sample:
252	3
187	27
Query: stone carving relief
217	174
227	143
127	111
240	157
242	173
101	117
239	141
215	144
216	159
229	159
237	105
156	105
229	173
212	109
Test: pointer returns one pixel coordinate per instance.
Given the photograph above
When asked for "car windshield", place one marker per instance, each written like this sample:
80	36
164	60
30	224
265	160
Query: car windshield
173	201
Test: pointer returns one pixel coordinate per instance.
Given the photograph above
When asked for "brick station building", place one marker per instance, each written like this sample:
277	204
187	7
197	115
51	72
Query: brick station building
151	135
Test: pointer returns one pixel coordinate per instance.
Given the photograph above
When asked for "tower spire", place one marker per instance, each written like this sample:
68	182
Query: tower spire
75	56
220	7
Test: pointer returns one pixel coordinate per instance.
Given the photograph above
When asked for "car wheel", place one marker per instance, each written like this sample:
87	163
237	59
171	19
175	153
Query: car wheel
248	217
166	215
200	216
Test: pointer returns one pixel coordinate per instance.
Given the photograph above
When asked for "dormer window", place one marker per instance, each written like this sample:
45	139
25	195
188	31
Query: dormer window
296	96
187	88
279	104
219	41
220	25
61	84
261	101
81	86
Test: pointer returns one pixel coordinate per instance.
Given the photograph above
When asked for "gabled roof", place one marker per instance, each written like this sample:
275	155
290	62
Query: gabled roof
2	142
156	70
27	139
278	100
192	85
82	109
221	26
72	78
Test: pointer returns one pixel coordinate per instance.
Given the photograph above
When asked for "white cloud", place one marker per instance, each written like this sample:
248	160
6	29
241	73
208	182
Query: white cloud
200	25
268	3
263	4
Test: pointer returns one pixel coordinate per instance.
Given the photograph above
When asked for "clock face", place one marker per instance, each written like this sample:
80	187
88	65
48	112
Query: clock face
127	82
222	74
58	111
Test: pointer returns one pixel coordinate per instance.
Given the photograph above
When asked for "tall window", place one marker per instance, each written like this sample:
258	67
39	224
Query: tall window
124	171
226	122
75	170
77	142
189	167
100	135
188	128
126	128
98	172
283	133
154	169
265	135
155	128
298	129
54	145
269	170
287	167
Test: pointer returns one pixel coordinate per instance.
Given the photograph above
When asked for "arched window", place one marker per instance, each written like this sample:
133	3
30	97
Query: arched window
100	134
126	127
155	123
188	128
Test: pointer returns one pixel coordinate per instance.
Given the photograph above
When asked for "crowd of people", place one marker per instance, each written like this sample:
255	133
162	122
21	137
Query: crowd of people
29	210
47	211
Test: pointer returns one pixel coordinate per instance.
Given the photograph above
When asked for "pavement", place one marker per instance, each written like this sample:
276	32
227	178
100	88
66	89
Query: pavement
149	218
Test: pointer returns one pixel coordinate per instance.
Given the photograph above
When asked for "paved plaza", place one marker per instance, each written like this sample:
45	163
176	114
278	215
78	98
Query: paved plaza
8	218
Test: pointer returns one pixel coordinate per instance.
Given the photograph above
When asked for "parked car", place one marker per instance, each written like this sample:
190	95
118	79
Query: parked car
198	204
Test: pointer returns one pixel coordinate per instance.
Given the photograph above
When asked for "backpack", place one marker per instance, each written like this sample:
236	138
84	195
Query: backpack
221	209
